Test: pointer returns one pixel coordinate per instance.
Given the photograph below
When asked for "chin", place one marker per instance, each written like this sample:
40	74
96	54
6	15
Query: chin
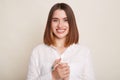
61	37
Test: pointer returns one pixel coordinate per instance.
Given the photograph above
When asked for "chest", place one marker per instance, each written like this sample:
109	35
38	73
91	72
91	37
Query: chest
75	61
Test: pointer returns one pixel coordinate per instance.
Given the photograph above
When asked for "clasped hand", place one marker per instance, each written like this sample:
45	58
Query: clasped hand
60	70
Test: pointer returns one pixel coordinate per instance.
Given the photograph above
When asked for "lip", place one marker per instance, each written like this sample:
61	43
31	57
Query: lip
60	30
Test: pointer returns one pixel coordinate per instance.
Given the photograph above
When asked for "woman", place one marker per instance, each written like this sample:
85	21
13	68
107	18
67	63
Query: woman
60	57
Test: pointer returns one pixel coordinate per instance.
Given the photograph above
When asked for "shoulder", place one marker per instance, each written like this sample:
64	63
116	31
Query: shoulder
39	49
82	49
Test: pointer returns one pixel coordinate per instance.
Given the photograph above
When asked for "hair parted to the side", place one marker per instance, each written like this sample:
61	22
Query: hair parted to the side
73	34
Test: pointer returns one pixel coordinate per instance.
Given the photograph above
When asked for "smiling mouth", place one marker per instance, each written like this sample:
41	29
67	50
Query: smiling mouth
60	30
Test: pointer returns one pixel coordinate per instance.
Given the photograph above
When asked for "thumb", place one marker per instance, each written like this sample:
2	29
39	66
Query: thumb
57	61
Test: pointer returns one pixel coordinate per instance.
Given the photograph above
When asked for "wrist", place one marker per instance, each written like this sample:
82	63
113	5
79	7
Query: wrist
53	76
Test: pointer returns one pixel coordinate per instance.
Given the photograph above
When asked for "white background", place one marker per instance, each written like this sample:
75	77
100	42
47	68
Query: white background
22	24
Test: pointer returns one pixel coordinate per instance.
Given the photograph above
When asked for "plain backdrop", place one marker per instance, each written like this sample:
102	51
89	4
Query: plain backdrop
22	24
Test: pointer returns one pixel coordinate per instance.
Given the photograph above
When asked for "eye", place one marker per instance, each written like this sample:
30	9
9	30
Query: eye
66	20
55	20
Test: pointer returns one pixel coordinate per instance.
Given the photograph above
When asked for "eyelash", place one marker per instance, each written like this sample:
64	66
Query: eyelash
54	20
66	20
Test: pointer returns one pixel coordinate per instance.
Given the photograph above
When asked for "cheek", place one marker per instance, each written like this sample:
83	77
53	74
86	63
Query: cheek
68	30
53	26
67	25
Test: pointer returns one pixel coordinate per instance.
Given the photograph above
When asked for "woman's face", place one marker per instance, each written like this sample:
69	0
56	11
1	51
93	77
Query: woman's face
59	24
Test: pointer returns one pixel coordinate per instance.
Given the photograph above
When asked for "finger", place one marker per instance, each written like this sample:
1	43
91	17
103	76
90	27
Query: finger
64	65
66	75
63	72
67	72
66	78
56	63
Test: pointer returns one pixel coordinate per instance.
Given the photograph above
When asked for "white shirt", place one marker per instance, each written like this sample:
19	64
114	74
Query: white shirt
77	57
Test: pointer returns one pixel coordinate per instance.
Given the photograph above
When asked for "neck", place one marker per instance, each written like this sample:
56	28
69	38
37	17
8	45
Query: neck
59	43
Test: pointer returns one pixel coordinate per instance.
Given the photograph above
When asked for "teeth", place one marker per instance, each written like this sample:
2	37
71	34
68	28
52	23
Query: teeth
59	30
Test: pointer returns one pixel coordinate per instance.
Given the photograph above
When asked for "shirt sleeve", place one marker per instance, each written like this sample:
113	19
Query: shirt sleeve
34	69
88	69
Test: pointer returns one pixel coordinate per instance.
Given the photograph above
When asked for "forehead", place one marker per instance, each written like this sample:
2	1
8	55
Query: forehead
59	14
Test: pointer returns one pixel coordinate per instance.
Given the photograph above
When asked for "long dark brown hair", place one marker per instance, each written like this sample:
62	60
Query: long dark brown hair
73	35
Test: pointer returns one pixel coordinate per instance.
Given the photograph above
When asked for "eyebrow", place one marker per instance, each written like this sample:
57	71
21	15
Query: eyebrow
58	18
54	18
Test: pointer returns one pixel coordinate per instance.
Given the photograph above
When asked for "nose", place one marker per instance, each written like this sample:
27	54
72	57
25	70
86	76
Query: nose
60	24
